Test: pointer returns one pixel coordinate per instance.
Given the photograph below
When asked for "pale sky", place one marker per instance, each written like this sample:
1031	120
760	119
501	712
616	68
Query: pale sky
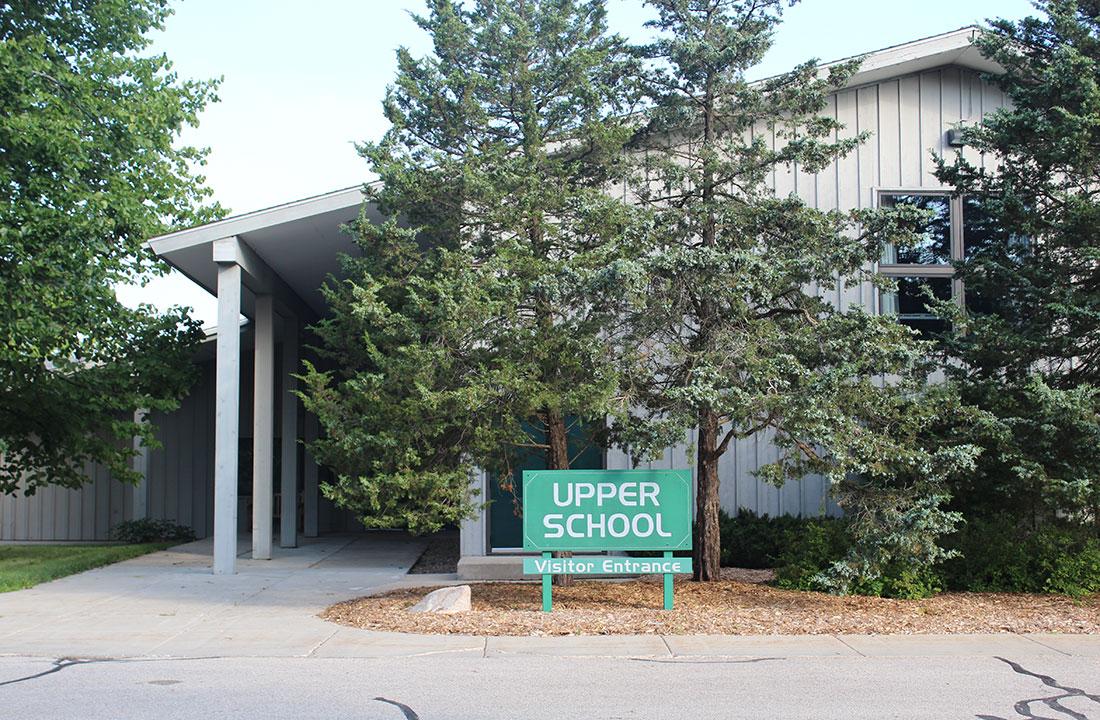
303	81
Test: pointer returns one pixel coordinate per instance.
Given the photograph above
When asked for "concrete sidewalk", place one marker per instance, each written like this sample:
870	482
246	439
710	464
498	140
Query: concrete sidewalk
168	604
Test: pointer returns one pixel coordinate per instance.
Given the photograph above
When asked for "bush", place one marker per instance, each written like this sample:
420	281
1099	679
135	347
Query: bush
754	541
988	555
799	548
1076	574
147	530
1001	555
804	550
809	550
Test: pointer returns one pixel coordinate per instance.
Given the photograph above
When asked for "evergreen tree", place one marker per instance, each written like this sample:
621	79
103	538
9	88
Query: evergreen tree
728	332
1027	348
472	316
89	170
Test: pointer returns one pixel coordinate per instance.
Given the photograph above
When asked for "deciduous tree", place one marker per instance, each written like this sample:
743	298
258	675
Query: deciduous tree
90	167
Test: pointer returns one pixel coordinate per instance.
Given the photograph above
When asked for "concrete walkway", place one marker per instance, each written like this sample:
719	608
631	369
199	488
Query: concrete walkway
168	604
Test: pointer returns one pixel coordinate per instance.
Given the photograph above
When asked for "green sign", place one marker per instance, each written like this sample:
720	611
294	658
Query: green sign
570	510
606	566
598	510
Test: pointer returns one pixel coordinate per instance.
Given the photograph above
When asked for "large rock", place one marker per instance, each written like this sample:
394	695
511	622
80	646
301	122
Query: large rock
446	600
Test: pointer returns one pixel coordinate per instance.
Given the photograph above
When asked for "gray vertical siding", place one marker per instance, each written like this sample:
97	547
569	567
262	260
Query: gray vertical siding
54	513
180	480
908	118
181	471
180	483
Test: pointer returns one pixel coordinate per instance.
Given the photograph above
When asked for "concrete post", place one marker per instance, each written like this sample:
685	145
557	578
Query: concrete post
288	519
263	427
309	480
141	465
227	418
473	533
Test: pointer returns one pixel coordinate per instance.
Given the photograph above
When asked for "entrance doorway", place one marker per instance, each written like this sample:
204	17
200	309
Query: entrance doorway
505	519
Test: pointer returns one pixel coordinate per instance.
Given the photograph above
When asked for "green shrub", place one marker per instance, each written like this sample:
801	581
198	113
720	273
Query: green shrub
810	549
900	581
1001	555
987	555
147	530
754	541
1078	573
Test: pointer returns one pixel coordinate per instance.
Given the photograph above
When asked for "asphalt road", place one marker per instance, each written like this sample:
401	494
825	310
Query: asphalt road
454	687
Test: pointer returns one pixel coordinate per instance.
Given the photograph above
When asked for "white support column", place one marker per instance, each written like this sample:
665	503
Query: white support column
141	465
227	418
288	518
309	472
473	533
263	427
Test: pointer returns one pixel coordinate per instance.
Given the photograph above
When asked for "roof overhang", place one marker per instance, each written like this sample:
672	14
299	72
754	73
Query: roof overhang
299	242
950	48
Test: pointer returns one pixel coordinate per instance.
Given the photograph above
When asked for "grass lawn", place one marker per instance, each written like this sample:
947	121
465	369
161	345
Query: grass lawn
23	566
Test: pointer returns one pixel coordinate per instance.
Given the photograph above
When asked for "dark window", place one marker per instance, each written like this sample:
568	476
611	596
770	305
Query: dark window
910	303
935	247
980	232
983	236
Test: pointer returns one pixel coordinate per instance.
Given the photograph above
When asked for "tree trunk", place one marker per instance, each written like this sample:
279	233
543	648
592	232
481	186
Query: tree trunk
707	541
557	458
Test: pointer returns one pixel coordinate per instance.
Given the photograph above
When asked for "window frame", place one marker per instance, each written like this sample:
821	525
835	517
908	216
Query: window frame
956	242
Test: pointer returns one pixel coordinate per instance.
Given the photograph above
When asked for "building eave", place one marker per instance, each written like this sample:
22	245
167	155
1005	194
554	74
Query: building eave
342	199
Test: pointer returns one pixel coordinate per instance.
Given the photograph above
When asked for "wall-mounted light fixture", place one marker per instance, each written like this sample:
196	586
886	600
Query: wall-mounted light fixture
955	138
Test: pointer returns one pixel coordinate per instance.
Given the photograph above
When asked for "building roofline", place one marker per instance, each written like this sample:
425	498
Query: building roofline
894	60
259	219
953	47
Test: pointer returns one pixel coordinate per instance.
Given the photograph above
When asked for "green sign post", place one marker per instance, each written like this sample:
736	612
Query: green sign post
597	510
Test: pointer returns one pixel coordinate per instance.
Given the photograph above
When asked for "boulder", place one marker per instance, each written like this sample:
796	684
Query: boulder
446	600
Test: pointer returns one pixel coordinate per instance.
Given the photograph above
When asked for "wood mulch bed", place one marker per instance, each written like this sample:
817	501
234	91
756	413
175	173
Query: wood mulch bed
737	606
441	555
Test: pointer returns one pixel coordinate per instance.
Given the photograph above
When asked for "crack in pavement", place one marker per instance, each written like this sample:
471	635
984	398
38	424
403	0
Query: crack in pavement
67	662
58	665
716	661
407	711
1052	702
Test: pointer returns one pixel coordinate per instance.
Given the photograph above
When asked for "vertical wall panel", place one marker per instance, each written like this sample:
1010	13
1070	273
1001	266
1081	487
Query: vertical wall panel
931	125
867	174
889	133
971	109
992	98
847	181
45	508
60	513
75	496
909	127
826	180
7	517
23	515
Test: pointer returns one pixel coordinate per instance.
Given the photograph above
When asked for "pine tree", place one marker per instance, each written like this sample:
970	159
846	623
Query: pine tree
1027	348
473	313
728	333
